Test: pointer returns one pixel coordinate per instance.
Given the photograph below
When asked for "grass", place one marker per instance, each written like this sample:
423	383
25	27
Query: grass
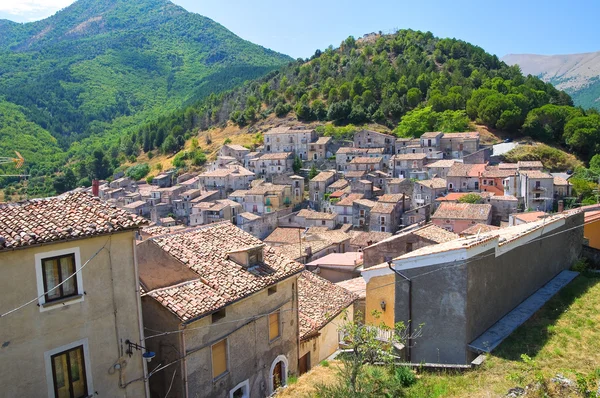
562	338
553	159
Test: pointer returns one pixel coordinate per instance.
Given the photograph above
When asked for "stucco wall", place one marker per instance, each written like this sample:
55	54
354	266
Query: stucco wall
592	232
391	248
380	288
28	333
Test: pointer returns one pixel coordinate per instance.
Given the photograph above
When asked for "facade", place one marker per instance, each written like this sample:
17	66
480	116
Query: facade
297	184
237	152
270	165
196	283
267	198
456	145
456	217
417	215
427	191
404	165
439	168
490	276
210	212
76	254
290	139
366	164
322	308
562	188
308	218
361	213
337	267
492	179
464	177
226	180
385	217
373	139
502	207
317	187
318	150
537	189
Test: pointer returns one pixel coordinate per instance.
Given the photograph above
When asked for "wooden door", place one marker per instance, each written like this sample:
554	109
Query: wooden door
304	363
278	376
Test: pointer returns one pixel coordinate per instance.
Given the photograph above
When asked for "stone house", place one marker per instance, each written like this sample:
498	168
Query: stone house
336	267
297	184
456	217
322	308
269	165
344	156
427	191
528	165
227	180
492	179
343	208
384	217
75	253
562	188
211	212
361	213
502	207
260	226
407	145
366	164
337	186
416	215
456	145
237	152
163	180
464	177
361	240
439	168
197	284
290	139
364	187
309	218
398	185
373	139
317	187
318	150
404	165
267	198
140	208
536	189
490	277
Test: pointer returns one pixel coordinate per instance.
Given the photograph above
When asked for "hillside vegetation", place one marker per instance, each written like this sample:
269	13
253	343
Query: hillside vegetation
97	68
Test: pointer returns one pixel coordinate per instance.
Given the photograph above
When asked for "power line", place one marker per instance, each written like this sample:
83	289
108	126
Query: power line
60	284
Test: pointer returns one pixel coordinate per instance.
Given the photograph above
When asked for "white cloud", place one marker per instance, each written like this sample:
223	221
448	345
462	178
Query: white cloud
25	7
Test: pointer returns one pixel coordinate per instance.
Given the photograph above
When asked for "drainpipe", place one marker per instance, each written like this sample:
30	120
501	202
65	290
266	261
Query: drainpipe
408	341
184	361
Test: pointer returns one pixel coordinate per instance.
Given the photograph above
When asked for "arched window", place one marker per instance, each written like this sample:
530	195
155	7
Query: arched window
278	373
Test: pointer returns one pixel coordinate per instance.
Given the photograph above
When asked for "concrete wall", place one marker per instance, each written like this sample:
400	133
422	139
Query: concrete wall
106	316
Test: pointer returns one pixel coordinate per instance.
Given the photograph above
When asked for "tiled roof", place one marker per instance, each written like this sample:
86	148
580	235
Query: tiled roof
454	196
431	134
472	135
220	281
496	172
530	216
347	149
463	211
135	204
288	130
284	235
249	216
347	259
466	170
391	198
227	171
276	156
160	230
366	160
443	163
505	197
365	202
323	176
355	173
535	174
411	156
396	180
348	200
316	215
204	196
434	233
298	250
530	163
478	228
266	188
331	235
384	208
70	216
236	147
339	184
323	140
364	239
238	193
319	302
435	183
357	286
560	181
508	166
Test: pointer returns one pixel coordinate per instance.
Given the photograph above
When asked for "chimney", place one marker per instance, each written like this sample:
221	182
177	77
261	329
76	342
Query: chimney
95	187
561	206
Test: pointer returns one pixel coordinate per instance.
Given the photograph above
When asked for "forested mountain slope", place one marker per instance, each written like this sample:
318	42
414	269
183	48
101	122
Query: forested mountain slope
101	66
577	74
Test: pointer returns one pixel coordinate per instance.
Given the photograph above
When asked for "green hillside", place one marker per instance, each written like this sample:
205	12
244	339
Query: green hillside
99	67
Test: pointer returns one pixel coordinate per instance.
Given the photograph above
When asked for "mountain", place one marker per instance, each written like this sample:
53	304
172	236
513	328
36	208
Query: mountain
577	74
102	66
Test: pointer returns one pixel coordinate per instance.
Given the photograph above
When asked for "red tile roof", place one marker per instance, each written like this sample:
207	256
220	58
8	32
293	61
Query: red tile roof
221	281
319	302
364	239
464	211
70	216
466	170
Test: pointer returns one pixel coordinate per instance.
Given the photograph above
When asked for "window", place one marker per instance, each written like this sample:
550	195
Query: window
219	358
68	373
538	184
382	229
409	247
382	220
242	390
217	316
362	213
274	326
322	222
57	270
272	290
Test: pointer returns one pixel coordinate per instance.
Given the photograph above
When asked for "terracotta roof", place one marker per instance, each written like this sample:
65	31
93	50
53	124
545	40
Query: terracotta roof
391	198
463	211
347	149
323	140
276	156
396	180
453	196
298	250
384	208
505	197
443	163
365	202
204	196
530	216
331	235
357	286
239	193
249	216
236	147
284	235
530	163
337	194
348	200
496	172
339	184
319	302
561	181
221	281
436	183
160	230
364	239
508	166
227	171
472	134
592	216
478	228
431	134
316	215
266	188
411	156
135	204
355	173
434	233
323	176
369	160
288	130
70	216
466	170
535	174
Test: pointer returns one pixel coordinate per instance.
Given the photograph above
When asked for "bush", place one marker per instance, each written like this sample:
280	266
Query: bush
325	363
149	179
138	171
198	158
581	265
227	141
405	376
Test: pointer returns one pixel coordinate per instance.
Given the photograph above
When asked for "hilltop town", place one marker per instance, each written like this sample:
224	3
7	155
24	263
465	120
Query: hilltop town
238	279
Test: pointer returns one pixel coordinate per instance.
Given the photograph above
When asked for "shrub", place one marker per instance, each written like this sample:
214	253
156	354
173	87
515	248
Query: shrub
581	265
405	376
325	363
138	171
227	141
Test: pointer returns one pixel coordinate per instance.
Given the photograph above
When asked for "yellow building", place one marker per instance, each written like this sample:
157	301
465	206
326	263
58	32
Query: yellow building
591	230
69	300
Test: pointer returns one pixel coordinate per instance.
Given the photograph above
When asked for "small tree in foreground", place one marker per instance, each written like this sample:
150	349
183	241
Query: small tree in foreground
355	377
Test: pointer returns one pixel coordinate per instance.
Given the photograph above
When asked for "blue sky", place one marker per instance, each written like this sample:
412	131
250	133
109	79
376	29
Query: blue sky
298	28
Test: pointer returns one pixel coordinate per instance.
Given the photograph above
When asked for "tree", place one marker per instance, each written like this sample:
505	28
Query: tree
170	145
339	111
282	109
413	97
313	172
98	165
583	134
547	123
318	110
297	165
472	198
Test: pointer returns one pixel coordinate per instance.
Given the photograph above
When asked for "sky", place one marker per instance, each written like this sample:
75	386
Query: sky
298	28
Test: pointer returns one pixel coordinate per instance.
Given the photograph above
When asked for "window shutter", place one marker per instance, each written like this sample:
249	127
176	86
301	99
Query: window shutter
274	325
219	358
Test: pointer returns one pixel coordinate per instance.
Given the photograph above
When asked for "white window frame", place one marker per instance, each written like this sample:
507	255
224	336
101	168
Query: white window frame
40	279
86	357
245	386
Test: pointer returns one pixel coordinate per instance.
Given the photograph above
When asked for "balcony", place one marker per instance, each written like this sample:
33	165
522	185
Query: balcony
420	201
538	189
